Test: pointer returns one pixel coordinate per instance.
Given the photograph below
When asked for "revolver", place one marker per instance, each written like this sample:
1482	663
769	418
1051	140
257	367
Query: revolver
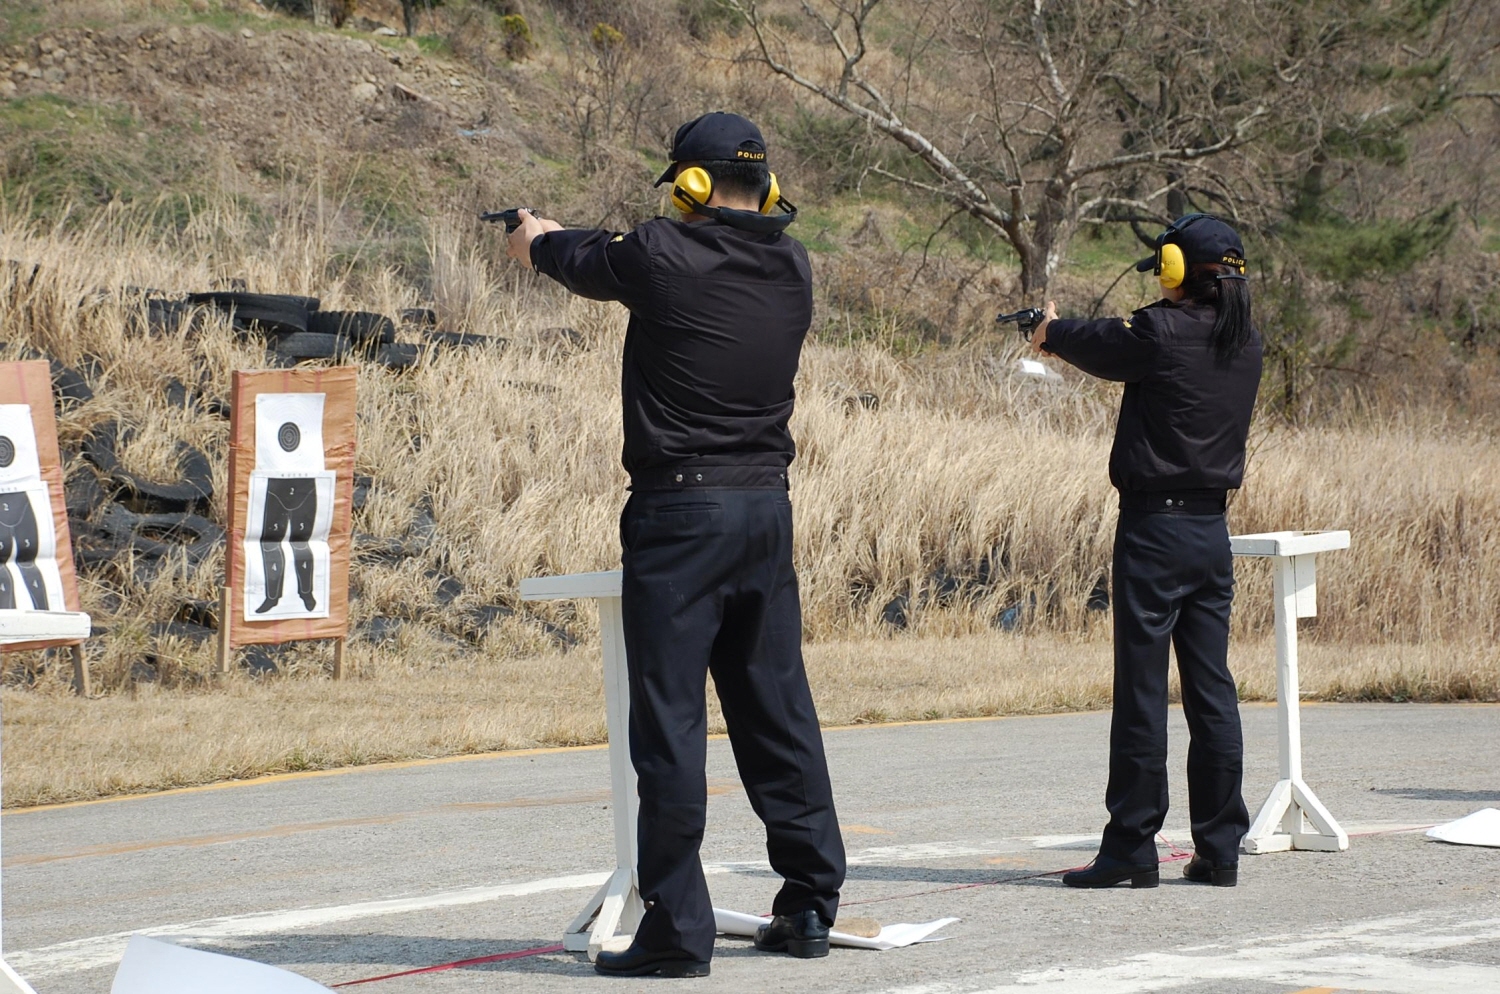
510	218
1026	320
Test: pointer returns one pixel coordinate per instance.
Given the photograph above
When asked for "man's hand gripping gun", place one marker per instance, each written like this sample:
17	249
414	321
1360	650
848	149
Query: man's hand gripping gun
510	218
1026	320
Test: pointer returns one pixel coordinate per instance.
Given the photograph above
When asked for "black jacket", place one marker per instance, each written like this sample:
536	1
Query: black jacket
1185	416
717	320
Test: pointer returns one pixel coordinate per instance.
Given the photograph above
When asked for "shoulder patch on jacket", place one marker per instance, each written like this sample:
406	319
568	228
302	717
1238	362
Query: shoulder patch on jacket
617	238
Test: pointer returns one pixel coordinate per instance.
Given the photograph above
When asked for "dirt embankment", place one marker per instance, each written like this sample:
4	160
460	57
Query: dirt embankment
259	91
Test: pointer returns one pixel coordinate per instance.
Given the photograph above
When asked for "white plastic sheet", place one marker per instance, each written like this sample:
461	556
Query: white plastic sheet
890	937
1482	828
11	982
154	967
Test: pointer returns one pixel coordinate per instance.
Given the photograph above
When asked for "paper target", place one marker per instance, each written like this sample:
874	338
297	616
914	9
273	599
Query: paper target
290	511
29	575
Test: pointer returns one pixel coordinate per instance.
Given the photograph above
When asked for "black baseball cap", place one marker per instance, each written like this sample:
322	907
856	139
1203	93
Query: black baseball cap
1203	238
716	135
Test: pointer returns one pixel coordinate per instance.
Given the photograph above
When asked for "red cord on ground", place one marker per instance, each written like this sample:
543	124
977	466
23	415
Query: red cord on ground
476	961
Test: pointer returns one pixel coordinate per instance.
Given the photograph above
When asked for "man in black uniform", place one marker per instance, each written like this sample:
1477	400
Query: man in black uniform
719	305
1191	366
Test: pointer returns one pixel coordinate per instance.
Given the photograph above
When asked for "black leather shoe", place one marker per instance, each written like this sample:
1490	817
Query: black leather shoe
803	935
1203	871
1106	872
638	962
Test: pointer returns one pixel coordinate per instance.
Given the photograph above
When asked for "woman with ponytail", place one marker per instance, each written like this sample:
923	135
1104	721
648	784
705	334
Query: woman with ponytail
1191	366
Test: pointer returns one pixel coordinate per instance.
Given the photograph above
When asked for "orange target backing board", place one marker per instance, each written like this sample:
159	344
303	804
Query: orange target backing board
291	499
36	547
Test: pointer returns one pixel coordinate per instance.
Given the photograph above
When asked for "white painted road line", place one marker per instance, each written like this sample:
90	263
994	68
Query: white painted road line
1380	956
105	950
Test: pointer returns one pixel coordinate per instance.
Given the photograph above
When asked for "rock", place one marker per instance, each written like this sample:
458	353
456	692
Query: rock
45	45
174	35
8	90
55	75
386	32
246	33
365	92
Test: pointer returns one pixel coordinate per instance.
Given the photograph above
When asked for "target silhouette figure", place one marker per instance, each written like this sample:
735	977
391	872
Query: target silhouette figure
291	514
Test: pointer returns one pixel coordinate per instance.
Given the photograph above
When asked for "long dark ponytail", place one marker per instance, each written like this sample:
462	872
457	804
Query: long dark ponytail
1229	293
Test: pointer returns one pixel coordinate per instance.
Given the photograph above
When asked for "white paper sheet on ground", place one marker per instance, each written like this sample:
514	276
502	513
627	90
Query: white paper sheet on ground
890	937
1031	367
1482	828
11	982
154	967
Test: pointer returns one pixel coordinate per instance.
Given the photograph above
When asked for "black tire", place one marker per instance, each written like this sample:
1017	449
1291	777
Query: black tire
268	313
362	487
447	589
156	536
164	317
176	394
205	614
83	494
69	388
181	630
194	490
313	345
100	445
421	317
462	339
379	629
360	327
398	356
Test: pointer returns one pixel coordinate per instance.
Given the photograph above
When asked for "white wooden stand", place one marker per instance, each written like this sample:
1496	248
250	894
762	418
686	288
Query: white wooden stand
36	626
609	919
1283	821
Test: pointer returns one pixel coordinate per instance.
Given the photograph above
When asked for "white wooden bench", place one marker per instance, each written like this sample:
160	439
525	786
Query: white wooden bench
35	626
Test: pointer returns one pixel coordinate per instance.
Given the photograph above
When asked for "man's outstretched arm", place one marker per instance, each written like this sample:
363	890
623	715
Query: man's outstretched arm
591	262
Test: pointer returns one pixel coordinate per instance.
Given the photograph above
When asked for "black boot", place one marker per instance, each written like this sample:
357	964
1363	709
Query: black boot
803	935
638	962
1205	871
1106	872
269	603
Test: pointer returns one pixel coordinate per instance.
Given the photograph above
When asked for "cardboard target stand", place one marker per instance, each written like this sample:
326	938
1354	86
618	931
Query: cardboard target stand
36	548
291	498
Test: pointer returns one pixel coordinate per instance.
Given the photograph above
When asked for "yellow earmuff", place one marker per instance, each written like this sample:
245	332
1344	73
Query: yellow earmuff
1171	268
693	186
691	189
773	194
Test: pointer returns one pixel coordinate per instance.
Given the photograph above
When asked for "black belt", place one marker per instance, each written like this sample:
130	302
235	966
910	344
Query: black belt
727	477
1174	501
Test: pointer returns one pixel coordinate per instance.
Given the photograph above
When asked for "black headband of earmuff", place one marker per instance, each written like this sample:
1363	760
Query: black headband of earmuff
752	221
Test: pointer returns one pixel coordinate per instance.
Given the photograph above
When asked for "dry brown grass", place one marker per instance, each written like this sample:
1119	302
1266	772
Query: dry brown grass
964	473
59	748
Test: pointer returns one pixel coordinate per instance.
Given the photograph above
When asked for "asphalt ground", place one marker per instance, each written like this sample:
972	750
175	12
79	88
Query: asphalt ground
357	874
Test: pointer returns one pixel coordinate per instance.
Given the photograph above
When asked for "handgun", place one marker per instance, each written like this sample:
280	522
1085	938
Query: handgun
510	218
1026	320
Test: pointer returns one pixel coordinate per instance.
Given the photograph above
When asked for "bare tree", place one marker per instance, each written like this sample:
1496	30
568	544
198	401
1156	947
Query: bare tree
1037	117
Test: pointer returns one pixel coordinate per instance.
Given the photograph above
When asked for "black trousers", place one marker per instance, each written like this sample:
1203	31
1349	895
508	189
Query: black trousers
1173	584
709	588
